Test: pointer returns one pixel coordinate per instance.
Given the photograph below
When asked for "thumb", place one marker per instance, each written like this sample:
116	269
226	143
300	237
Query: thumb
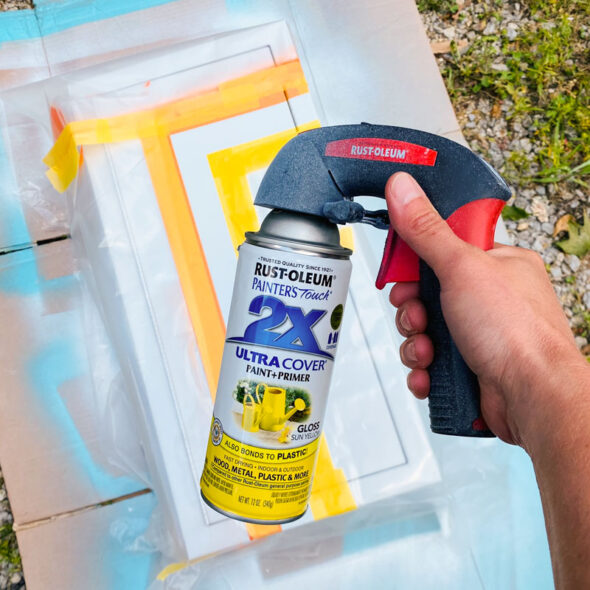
418	223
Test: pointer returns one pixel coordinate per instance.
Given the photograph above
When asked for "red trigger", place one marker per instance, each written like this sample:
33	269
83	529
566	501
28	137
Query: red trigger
400	264
474	222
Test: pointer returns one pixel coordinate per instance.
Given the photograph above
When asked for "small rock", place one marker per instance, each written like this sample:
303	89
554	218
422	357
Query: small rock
438	47
586	299
491	28
525	235
547	228
581	341
555	272
512	31
539	210
500	67
534	225
525	143
449	32
522	226
577	321
15	579
541	190
573	262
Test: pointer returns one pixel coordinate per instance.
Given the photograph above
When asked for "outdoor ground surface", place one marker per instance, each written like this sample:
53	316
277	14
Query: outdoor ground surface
518	74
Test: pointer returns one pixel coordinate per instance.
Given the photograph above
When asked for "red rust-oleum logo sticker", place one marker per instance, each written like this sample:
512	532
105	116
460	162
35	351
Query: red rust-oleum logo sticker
382	150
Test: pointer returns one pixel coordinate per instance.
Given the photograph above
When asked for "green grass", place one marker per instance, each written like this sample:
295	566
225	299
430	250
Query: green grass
546	78
8	546
444	7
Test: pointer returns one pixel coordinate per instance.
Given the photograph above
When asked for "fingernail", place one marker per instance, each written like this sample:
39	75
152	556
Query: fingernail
404	321
410	352
405	188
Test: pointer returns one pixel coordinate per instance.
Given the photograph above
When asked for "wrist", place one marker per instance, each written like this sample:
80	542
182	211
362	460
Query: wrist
554	405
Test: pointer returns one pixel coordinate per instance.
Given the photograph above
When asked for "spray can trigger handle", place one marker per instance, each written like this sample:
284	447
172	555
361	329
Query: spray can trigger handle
399	264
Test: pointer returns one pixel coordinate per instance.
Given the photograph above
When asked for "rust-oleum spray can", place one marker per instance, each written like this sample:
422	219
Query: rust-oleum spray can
285	318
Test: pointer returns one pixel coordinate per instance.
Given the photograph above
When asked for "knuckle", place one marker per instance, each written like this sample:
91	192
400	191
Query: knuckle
425	223
534	258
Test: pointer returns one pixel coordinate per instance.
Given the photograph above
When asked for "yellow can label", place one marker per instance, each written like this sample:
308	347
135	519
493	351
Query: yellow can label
255	483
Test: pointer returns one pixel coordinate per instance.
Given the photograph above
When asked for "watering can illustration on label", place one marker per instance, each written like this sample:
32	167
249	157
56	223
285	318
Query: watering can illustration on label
268	414
251	414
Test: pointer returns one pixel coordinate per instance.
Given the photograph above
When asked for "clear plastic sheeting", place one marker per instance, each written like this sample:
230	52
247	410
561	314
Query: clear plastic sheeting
160	154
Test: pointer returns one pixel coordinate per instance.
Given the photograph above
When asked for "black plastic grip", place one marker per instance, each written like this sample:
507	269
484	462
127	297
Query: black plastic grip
454	399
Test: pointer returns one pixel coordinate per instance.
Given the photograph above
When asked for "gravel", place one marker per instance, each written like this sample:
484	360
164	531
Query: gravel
6	5
488	132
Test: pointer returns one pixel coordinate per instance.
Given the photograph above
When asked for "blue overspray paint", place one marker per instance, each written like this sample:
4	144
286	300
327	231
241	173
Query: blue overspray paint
49	368
19	275
51	17
130	568
18	25
57	361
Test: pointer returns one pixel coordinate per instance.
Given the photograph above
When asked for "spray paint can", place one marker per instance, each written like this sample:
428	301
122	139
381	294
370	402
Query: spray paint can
285	318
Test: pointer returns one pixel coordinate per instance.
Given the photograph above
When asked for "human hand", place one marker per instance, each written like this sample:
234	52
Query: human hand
500	309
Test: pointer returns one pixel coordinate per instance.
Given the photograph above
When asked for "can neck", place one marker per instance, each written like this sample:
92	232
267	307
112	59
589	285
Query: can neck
309	234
